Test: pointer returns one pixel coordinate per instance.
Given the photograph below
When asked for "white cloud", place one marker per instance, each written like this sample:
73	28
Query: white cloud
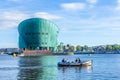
118	5
118	1
73	6
13	15
78	5
97	26
9	19
46	15
92	1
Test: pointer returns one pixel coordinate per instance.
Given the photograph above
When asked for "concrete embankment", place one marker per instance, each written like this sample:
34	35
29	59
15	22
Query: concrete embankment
43	52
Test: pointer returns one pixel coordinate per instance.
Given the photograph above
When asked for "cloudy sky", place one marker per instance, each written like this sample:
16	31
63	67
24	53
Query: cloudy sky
83	22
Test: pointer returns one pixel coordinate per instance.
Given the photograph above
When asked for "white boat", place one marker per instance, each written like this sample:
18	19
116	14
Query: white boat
83	63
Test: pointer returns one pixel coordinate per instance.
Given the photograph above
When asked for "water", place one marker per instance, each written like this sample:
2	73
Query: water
105	67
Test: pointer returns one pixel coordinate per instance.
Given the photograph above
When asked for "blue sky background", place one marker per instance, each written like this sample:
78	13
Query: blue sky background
83	22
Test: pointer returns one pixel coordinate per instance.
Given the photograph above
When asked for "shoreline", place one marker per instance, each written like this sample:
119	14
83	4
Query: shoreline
41	54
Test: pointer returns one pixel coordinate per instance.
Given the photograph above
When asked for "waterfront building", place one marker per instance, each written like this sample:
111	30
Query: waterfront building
38	34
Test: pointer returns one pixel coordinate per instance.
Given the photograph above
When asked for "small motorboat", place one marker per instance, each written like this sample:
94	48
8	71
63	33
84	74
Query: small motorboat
82	63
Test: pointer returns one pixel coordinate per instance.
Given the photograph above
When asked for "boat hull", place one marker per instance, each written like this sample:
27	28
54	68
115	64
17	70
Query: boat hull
87	63
84	63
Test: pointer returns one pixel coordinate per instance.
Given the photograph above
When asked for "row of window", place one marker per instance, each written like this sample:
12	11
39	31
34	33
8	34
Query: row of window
36	33
37	43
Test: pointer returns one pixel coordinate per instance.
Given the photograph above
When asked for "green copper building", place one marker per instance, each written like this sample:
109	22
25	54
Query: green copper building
38	34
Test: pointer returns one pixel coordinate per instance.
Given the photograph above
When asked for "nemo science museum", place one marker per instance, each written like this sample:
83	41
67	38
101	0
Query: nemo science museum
38	34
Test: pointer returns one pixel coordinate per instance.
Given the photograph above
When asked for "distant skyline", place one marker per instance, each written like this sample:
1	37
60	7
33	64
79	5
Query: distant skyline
81	22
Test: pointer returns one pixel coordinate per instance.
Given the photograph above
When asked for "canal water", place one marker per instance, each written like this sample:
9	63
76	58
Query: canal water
105	67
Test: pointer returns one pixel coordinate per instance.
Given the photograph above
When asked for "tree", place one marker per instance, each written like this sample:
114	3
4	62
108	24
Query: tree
85	47
71	48
78	48
116	47
59	47
109	47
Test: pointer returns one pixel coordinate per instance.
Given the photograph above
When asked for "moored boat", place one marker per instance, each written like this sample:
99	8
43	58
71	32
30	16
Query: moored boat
87	63
83	63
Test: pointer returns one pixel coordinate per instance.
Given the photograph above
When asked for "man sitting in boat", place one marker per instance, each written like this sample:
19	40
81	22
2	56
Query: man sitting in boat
65	60
78	60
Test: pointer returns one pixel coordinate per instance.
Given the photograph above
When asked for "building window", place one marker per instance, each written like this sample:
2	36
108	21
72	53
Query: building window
29	33
38	32
26	34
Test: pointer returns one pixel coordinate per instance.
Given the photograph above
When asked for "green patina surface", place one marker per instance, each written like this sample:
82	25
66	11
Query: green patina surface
38	33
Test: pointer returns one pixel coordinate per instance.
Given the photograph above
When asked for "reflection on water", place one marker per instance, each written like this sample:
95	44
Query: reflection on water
68	69
37	68
73	73
45	68
28	68
75	69
87	69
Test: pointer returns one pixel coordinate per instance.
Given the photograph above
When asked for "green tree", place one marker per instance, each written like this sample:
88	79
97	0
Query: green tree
71	48
59	47
109	47
78	48
116	47
85	47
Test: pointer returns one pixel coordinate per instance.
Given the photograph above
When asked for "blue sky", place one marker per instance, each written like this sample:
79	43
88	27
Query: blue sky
81	22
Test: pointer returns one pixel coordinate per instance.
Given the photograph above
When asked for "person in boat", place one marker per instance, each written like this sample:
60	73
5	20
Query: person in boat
63	60
78	60
67	60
